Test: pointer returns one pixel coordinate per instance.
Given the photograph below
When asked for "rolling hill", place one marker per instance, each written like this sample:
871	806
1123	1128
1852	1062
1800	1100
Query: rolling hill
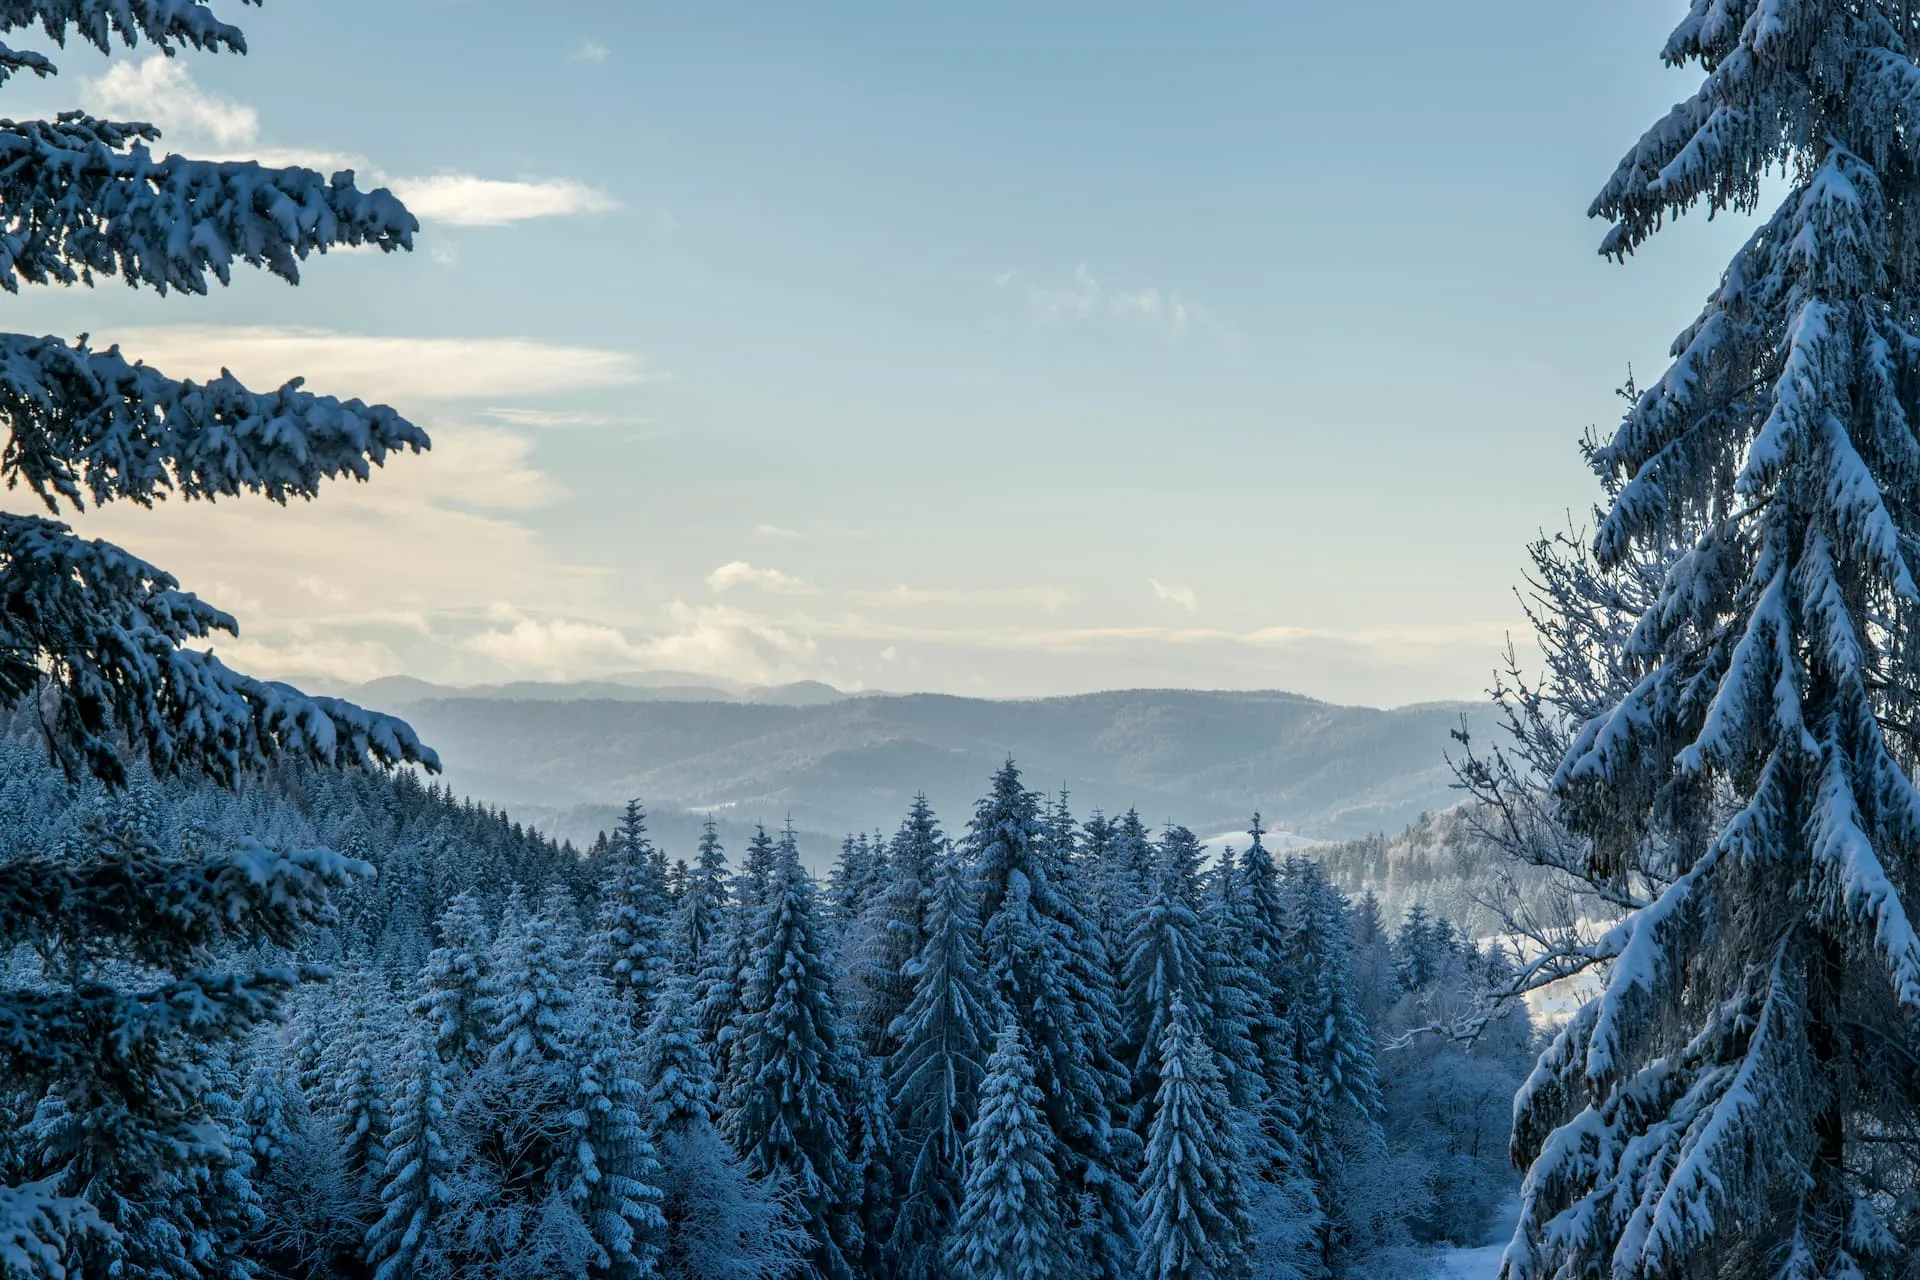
565	756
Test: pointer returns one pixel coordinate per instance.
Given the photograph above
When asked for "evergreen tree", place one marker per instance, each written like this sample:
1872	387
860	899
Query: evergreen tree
457	970
1047	972
892	931
701	917
722	979
415	1195
674	1063
1167	955
526	1001
628	946
1340	1098
609	1175
363	1117
268	1127
873	1145
788	1076
1009	1225
851	879
1728	1105
105	650
1195	1223
936	1072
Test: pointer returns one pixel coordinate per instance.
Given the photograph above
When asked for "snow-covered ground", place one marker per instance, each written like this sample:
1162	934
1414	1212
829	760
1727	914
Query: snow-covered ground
1482	1263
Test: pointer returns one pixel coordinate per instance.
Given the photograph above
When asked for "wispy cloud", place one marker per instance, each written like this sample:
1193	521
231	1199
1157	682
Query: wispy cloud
462	200
398	370
521	416
776	531
161	91
1175	594
739	573
1084	297
590	51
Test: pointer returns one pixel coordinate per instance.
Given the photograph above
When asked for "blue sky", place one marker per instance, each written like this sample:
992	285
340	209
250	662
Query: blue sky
991	348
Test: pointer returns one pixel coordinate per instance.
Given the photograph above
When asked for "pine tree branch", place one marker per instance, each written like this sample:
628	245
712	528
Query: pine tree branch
86	198
91	424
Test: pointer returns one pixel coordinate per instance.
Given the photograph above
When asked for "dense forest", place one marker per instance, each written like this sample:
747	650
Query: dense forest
1043	1047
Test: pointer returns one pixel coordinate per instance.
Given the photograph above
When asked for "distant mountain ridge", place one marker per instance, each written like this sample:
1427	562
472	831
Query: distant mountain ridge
564	755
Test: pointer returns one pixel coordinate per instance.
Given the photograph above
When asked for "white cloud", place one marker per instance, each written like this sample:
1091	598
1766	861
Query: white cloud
462	200
161	91
590	51
712	640
738	573
1175	594
554	418
397	370
556	647
776	531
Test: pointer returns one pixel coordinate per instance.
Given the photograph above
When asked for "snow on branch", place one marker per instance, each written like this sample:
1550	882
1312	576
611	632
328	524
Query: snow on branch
95	634
90	423
35	1226
86	198
189	906
170	24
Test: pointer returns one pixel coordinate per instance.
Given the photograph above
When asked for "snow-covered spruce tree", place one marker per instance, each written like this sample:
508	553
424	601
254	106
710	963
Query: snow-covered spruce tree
1008	1226
1740	1100
789	1077
415	1196
892	929
874	1149
628	945
1340	1093
526	1001
1194	1218
936	1072
1040	971
1240	997
93	636
701	913
609	1175
722	977
455	974
1166	961
853	876
362	1114
515	1107
674	1063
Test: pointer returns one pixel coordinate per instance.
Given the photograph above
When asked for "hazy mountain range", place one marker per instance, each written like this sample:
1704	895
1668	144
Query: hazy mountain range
564	755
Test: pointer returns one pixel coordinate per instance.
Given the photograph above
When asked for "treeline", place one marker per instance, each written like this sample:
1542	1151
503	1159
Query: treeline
1044	1048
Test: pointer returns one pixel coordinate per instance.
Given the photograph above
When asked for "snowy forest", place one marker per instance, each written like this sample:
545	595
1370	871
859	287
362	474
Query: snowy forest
1043	1047
277	1004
